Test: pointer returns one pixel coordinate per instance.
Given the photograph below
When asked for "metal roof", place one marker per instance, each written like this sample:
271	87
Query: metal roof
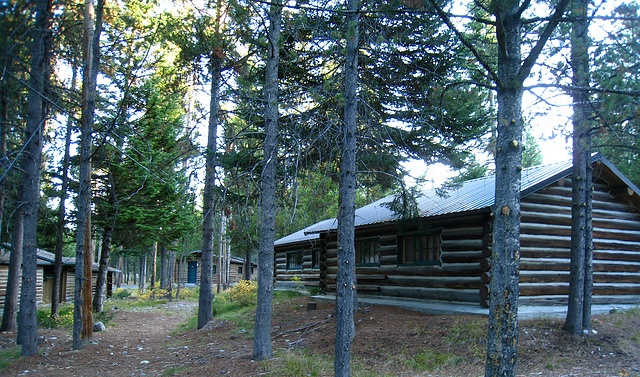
472	195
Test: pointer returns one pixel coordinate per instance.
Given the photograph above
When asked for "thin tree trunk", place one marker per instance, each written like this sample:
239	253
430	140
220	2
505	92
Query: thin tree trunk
103	269
262	348
31	165
142	275
205	308
581	164
154	265
11	299
57	265
346	279
221	252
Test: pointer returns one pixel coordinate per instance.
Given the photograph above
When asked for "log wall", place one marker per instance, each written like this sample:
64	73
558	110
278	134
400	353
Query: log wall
546	246
4	273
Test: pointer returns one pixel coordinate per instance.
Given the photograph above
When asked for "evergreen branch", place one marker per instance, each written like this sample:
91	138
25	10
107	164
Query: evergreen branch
631	93
445	17
530	60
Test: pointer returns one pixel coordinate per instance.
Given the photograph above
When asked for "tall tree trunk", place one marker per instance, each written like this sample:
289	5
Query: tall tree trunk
142	276
154	265
92	25
581	179
262	348
103	269
10	310
346	279
205	308
57	265
220	261
4	130
505	264
31	162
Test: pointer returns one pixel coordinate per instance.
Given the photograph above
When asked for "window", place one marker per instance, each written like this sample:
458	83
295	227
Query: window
215	269
420	248
294	260
367	252
315	259
239	270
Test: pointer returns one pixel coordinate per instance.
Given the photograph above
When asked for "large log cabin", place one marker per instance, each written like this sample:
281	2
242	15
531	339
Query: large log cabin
445	253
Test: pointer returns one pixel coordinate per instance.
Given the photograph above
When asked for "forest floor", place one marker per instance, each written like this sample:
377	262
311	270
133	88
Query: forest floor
155	341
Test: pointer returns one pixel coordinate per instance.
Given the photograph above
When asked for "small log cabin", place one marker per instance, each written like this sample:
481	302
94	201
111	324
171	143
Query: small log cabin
188	271
44	283
445	253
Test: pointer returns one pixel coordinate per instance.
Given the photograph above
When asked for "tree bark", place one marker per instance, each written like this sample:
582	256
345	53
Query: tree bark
11	298
103	269
154	265
504	288
581	179
262	348
30	164
346	278
205	308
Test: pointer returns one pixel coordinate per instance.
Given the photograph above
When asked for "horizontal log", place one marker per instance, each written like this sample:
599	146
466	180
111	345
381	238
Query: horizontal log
360	277
543	289
562	264
469	295
455	282
544	276
616	277
461	257
617	255
462	245
388	239
391	259
544	229
388	250
456	233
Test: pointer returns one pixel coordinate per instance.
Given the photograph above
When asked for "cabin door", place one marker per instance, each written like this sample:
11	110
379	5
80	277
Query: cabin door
192	272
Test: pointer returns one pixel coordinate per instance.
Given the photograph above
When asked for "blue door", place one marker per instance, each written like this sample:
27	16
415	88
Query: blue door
192	272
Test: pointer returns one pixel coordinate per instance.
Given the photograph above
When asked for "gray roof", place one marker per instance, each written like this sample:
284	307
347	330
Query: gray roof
46	258
472	195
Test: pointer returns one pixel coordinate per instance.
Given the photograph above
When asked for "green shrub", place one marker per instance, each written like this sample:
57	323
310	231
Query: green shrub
244	293
122	293
64	319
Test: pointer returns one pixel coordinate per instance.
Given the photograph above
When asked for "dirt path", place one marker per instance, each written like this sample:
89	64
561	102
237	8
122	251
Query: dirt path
136	343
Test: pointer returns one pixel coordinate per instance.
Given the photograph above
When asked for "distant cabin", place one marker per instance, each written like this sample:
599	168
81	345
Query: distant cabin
445	253
44	277
188	271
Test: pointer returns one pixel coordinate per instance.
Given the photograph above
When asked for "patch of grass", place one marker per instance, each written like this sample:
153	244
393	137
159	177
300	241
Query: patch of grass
297	363
132	304
472	331
173	372
190	324
8	355
429	361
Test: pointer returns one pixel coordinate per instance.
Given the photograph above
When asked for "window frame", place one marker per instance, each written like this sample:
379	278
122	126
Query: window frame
418	259
359	244
315	259
290	255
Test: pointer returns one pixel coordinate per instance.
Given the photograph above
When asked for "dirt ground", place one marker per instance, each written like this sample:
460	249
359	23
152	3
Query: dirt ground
389	342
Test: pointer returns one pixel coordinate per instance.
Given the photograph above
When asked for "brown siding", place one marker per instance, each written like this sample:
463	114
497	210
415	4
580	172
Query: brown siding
456	278
546	246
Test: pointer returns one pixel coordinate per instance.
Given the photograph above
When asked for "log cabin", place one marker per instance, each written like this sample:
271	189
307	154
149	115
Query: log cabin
188	269
44	276
445	253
